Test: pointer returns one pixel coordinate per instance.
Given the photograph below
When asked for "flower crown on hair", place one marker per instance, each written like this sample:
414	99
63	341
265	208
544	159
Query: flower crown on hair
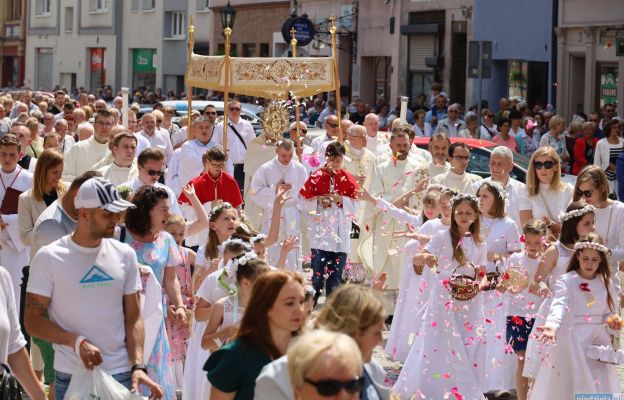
464	196
592	245
502	193
232	266
576	213
219	208
258	237
242	242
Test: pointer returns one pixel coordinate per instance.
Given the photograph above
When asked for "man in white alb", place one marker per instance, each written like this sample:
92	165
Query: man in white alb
124	165
14	180
191	152
457	178
82	156
291	175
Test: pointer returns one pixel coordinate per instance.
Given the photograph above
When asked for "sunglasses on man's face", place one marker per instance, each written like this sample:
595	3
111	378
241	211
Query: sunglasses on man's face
585	193
331	387
152	172
545	164
235	109
210	113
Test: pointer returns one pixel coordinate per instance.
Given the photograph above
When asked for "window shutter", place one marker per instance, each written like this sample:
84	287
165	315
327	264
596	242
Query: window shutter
421	47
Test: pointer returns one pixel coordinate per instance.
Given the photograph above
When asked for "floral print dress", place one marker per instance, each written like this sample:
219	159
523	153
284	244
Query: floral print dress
158	255
178	336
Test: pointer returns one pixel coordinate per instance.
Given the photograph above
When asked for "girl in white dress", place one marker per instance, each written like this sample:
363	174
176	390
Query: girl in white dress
522	304
412	298
223	223
502	239
576	222
227	312
409	304
583	313
546	196
448	357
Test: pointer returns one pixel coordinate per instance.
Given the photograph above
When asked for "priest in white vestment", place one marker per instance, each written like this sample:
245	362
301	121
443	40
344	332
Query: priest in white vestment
390	180
359	162
290	174
124	165
457	178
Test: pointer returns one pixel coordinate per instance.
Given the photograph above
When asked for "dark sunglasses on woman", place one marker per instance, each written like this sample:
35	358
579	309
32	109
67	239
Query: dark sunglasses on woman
545	164
331	387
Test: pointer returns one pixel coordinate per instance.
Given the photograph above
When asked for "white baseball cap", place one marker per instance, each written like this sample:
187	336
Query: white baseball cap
100	193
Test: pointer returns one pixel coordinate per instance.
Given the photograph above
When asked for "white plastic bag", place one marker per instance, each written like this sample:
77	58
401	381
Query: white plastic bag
97	385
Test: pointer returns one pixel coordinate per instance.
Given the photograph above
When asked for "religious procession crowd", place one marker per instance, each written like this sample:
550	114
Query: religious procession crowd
195	262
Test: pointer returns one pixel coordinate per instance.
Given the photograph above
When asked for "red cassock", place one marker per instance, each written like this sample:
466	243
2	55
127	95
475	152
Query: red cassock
209	189
322	182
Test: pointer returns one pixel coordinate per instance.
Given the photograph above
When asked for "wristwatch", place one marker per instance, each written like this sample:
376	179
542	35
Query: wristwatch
142	367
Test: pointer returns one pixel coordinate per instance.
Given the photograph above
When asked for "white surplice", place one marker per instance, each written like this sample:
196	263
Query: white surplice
263	188
378	249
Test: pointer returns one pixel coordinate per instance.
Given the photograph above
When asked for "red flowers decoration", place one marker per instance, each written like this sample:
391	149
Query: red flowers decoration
517	320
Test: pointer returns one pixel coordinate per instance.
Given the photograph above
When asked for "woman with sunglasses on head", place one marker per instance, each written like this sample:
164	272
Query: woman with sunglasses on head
274	314
592	187
546	196
158	254
577	221
353	310
325	365
607	151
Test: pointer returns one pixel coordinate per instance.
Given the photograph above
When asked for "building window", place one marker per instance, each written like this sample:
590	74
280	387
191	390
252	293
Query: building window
43	7
148	5
14	9
264	49
134	5
98	6
177	25
203	5
249	50
69	19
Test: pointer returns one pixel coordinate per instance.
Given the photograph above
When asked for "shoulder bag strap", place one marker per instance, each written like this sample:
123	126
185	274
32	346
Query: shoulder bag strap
550	215
238	135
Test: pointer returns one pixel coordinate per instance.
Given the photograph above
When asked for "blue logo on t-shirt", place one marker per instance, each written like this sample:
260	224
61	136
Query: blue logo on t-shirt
95	275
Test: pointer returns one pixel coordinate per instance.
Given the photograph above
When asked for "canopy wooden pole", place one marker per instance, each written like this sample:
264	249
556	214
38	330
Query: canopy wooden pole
293	44
189	94
226	101
332	30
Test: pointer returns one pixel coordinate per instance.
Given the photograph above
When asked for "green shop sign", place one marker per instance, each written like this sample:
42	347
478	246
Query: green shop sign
143	60
608	89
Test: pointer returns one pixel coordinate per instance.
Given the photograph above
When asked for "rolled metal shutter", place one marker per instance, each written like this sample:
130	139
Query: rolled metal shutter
420	47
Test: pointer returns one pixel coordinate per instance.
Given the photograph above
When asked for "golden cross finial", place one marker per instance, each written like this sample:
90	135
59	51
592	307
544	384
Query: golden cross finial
332	28
293	31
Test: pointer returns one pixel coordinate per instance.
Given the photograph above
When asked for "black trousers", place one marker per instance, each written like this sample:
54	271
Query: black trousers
239	175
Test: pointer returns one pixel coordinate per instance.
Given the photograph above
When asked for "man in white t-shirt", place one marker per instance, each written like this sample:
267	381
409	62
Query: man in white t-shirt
89	284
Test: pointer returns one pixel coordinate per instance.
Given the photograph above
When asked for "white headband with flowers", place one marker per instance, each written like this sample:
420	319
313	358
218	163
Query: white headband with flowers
576	213
592	245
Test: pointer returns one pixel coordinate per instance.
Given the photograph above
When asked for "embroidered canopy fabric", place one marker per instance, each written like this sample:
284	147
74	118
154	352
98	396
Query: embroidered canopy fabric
263	77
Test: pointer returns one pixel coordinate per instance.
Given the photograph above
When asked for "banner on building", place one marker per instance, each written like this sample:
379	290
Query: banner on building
263	77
